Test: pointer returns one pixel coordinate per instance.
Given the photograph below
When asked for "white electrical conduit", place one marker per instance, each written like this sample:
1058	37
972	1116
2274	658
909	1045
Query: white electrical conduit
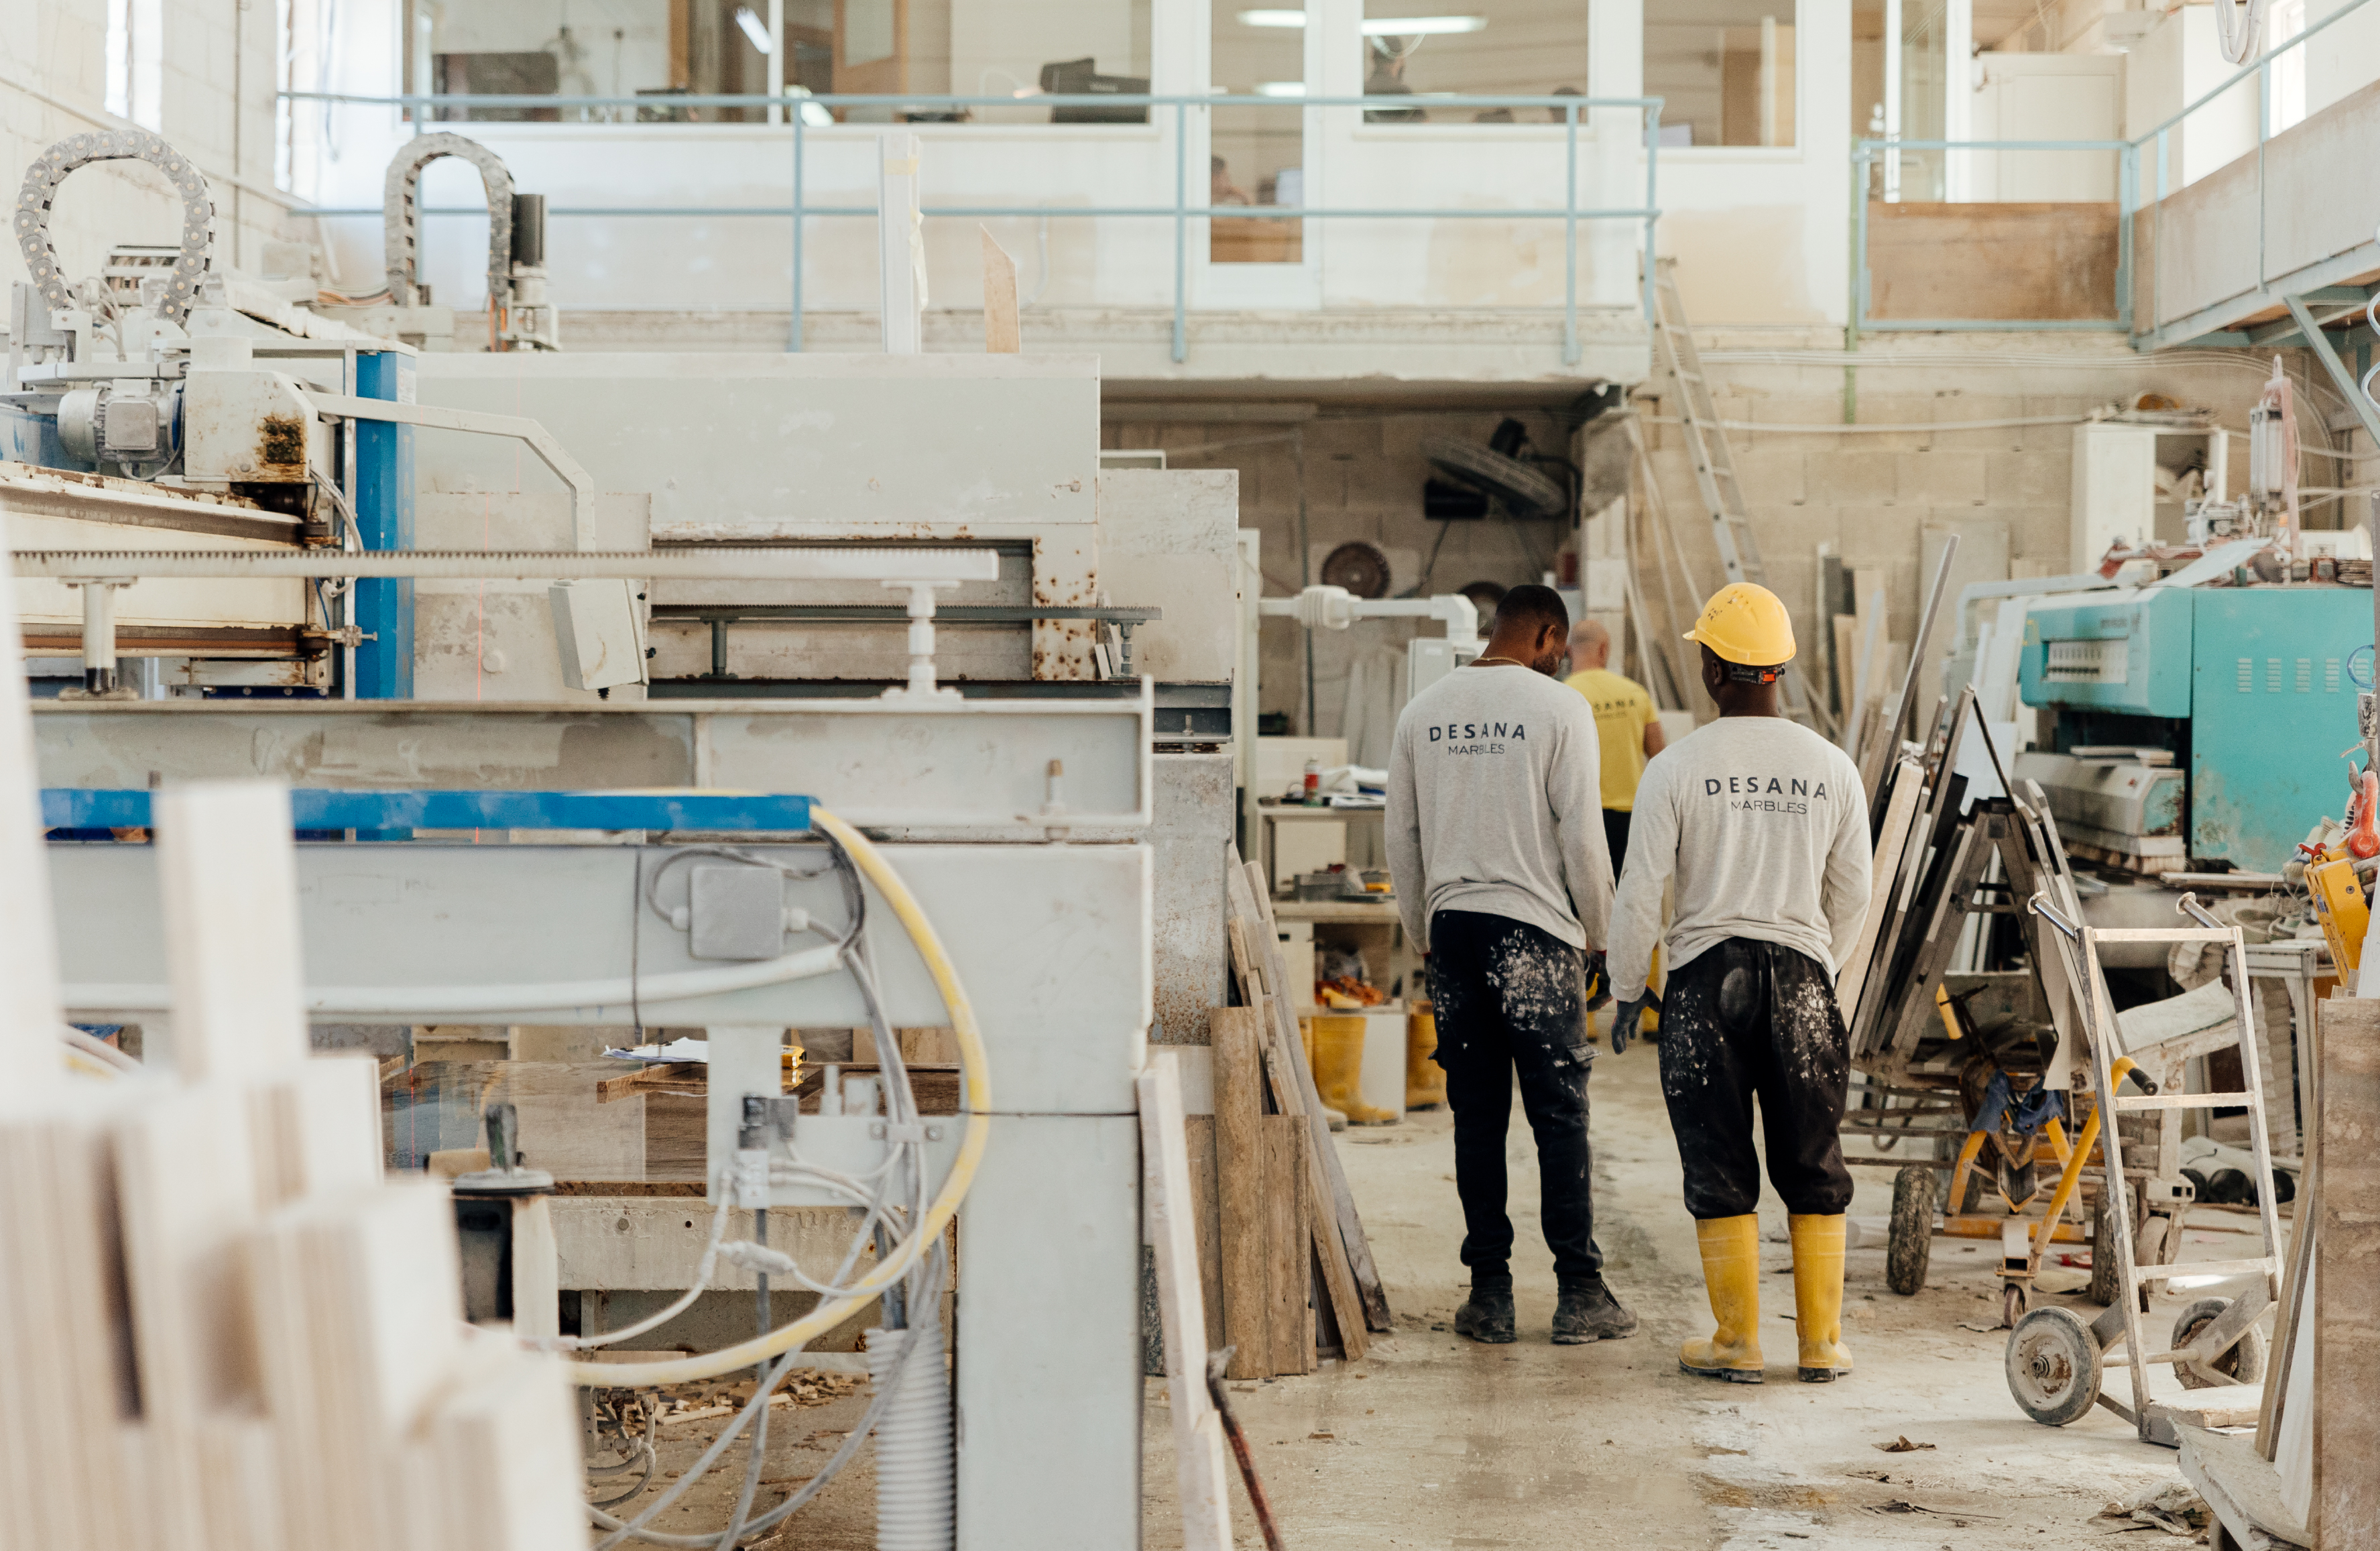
1831	429
923	1236
452	1001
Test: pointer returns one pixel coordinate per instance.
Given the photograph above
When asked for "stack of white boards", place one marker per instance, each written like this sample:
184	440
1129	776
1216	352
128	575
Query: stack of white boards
221	1329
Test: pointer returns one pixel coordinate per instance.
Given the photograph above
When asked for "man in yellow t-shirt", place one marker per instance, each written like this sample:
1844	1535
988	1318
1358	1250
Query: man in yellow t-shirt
1625	724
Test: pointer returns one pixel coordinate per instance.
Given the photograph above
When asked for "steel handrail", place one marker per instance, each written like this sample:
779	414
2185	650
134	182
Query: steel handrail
1180	211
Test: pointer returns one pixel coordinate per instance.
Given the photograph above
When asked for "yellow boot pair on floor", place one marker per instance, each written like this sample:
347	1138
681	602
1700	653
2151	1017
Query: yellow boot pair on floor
1730	1248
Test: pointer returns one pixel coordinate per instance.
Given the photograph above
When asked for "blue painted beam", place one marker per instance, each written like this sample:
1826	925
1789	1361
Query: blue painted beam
315	808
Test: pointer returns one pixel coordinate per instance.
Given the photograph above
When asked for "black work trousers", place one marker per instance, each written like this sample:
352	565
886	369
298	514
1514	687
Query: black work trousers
1748	1018
1510	998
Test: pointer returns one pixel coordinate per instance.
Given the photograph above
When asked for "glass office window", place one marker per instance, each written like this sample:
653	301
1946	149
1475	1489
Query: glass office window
1258	152
1459	48
662	49
1724	69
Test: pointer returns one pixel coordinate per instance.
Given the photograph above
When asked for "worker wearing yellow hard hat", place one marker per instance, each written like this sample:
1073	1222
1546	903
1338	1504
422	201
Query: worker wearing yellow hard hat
1762	826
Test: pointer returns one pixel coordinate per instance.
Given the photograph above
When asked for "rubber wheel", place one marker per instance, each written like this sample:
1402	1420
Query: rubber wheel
1909	1247
2244	1363
2053	1366
2103	1253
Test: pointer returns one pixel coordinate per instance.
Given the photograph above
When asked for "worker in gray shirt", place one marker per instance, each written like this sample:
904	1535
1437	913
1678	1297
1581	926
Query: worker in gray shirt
1762	826
1496	844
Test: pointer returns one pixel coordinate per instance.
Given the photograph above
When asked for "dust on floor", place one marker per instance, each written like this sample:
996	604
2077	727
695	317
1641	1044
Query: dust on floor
1436	1442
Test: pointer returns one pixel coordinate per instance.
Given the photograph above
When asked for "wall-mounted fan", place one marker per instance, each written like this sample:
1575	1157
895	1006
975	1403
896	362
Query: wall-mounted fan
1504	470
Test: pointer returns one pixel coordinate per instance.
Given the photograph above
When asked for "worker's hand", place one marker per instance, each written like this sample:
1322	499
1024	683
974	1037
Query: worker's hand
1598	982
1629	1017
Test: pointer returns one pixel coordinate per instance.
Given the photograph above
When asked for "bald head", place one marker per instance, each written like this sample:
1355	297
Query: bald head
1590	646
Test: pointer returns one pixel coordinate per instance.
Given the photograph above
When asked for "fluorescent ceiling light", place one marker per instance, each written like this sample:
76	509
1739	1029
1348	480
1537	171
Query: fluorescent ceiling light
1280	89
1420	25
1376	27
754	27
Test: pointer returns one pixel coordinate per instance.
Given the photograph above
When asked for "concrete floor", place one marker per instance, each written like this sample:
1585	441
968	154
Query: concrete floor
1433	1441
1436	1442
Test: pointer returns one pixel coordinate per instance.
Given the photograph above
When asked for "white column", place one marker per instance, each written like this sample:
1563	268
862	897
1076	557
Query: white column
1611	159
1822	96
1958	95
776	58
1892	99
900	244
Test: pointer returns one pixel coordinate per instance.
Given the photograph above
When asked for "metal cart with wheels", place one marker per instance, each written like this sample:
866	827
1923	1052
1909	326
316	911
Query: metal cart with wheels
2055	1363
1963	1065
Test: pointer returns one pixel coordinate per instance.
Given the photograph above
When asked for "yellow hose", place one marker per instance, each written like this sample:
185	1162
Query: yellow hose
975	1069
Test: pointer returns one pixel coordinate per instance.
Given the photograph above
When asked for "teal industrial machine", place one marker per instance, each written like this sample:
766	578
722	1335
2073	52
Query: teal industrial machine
2197	726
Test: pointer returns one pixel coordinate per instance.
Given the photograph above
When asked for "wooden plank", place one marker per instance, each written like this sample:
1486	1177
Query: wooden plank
227	875
1240	1181
1206	1202
1288	1317
1279	1064
1353	1243
2300	1263
1347	1304
1204	1489
1992	262
1001	334
1893	841
611	1090
2346	1295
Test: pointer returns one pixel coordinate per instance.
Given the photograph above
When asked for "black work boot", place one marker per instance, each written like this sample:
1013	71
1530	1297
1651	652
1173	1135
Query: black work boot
1587	1311
1486	1314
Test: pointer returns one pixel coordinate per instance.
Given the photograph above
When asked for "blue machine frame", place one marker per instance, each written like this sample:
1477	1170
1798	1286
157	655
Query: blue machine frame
2252	683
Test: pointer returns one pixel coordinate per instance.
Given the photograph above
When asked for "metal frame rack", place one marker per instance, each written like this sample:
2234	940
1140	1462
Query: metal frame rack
2055	1361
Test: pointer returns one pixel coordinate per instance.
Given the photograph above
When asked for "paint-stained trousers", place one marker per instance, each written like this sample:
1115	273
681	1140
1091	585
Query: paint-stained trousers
1748	1018
1510	998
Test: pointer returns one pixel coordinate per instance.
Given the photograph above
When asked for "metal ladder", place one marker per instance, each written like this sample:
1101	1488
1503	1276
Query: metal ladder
2200	1344
1714	461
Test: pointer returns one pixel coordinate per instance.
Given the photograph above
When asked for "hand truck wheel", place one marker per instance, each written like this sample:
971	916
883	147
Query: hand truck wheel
1909	1244
2054	1367
2243	1363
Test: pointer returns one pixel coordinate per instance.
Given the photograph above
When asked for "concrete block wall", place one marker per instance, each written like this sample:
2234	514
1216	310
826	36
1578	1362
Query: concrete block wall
1358	473
216	105
1870	494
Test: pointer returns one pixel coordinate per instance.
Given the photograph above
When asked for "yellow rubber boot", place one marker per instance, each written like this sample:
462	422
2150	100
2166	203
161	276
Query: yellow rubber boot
1731	1273
1425	1078
1339	1070
1818	1297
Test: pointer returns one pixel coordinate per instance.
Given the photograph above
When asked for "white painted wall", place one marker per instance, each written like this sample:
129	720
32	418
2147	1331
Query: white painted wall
2178	62
2047	96
1758	233
2345	58
52	83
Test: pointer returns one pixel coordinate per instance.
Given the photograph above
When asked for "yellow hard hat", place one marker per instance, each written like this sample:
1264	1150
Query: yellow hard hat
1746	625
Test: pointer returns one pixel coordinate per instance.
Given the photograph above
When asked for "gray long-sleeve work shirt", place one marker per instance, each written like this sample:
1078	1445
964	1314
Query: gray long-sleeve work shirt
1496	805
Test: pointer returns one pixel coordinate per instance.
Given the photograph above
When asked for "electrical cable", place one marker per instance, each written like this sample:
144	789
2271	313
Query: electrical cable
878	1405
974	1103
914	1226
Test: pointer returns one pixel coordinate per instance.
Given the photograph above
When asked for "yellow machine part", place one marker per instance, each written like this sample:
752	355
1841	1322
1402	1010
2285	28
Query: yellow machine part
2340	905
